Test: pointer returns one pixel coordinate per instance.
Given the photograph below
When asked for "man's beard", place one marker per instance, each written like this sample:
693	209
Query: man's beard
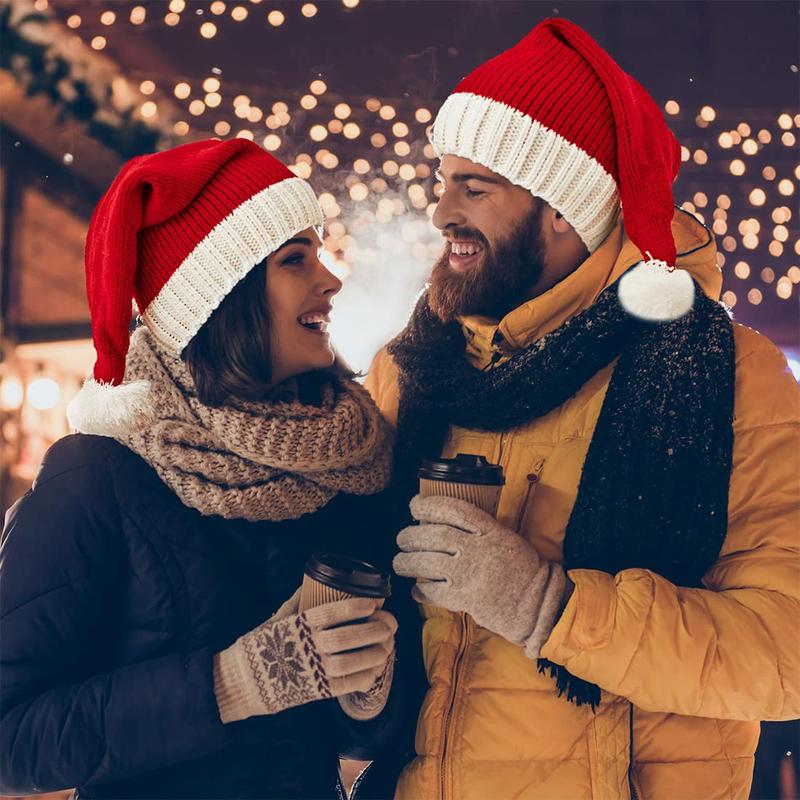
501	280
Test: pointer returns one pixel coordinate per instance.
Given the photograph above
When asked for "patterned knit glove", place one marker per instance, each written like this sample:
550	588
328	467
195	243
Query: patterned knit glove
327	651
464	560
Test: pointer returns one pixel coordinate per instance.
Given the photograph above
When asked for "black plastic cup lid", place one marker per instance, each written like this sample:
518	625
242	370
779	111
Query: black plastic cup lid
348	575
464	468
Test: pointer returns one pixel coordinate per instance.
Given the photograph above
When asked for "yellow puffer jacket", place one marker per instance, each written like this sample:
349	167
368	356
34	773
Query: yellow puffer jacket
686	673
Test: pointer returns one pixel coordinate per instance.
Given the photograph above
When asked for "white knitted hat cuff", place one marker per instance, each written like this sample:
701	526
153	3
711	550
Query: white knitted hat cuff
231	249
512	144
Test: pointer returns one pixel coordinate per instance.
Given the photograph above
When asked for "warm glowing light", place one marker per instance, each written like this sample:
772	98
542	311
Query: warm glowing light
742	270
301	170
108	18
318	133
308	10
239	14
387	112
700	157
335	126
729	298
423	115
211	85
793	274
181	128
743	129
351	130
361	166
213	99
197	107
149	109
775	249
400	129
729	244
308	101
672	107
784	288
754	296
350	3
768	173
725	140
318	87
750	241
377	140
241	100
217	7
276	18
785	121
780	233
43	393
685	154
254	114
708	114
138	15
358	192
407	172
737	167
147	87
177	6
723	201
342	111
758	197
788	139
222	128
768	275
172	19
373	104
182	90
402	149
74	21
245	134
98	42
764	136
786	187
272	141
700	199
749	147
208	30
390	167
720	227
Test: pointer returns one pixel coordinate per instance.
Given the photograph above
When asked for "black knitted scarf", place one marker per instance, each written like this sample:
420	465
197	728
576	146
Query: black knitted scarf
653	491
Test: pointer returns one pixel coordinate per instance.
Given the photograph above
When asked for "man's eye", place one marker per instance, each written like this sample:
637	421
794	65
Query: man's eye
473	193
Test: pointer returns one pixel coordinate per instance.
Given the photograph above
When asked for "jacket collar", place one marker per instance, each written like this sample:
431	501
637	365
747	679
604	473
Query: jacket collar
488	340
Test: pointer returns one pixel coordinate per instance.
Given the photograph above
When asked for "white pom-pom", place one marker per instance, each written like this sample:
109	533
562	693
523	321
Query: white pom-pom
108	410
654	292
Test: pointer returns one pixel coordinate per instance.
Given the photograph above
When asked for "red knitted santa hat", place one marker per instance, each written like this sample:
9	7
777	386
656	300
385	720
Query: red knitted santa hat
175	232
557	115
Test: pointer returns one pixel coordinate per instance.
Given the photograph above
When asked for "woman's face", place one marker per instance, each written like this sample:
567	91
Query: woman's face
300	292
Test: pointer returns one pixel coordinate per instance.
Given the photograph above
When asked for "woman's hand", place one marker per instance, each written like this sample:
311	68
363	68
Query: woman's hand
331	650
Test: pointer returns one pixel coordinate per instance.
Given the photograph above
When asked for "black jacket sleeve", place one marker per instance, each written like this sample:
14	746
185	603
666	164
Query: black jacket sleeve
68	717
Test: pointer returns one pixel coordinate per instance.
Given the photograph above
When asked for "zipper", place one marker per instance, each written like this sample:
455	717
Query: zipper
634	796
533	479
464	622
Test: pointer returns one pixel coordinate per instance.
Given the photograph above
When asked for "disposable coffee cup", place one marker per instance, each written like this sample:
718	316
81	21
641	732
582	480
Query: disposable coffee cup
467	476
331	576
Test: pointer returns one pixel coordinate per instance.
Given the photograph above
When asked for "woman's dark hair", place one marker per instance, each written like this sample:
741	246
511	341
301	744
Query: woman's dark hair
230	356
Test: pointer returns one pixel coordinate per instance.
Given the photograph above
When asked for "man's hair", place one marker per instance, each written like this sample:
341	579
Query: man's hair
230	356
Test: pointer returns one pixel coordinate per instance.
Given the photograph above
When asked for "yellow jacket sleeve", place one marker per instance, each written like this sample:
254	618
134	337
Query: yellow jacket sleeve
382	384
730	650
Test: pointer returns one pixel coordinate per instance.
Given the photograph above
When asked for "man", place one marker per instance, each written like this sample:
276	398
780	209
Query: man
632	613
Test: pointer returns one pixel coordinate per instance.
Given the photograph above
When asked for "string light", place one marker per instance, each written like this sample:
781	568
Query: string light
208	30
276	18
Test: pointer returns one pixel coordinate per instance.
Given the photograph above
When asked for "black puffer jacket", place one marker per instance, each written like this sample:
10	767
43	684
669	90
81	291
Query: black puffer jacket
114	597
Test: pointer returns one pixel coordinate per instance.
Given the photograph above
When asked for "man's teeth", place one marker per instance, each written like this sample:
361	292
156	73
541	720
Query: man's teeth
465	248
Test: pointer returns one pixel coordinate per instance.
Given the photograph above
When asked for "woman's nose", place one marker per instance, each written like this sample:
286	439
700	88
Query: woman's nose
327	282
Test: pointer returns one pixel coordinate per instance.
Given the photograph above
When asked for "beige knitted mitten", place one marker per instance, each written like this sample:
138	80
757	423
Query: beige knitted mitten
327	651
464	560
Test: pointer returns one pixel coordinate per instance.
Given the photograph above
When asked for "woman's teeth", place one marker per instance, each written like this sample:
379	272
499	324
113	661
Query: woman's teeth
314	322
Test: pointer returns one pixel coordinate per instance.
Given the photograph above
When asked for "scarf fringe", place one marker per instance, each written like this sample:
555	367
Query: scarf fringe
577	690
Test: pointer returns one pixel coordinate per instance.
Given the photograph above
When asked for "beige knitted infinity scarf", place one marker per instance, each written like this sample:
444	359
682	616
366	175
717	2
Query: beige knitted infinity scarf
271	460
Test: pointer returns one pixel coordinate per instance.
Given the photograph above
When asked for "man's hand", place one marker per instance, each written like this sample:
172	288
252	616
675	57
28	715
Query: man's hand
464	560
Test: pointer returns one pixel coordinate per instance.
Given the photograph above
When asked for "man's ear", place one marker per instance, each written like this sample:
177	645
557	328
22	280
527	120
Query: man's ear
557	221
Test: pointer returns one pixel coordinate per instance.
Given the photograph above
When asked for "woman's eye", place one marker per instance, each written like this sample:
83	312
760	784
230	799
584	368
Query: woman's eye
294	258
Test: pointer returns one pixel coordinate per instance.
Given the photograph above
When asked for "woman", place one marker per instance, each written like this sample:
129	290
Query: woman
217	447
